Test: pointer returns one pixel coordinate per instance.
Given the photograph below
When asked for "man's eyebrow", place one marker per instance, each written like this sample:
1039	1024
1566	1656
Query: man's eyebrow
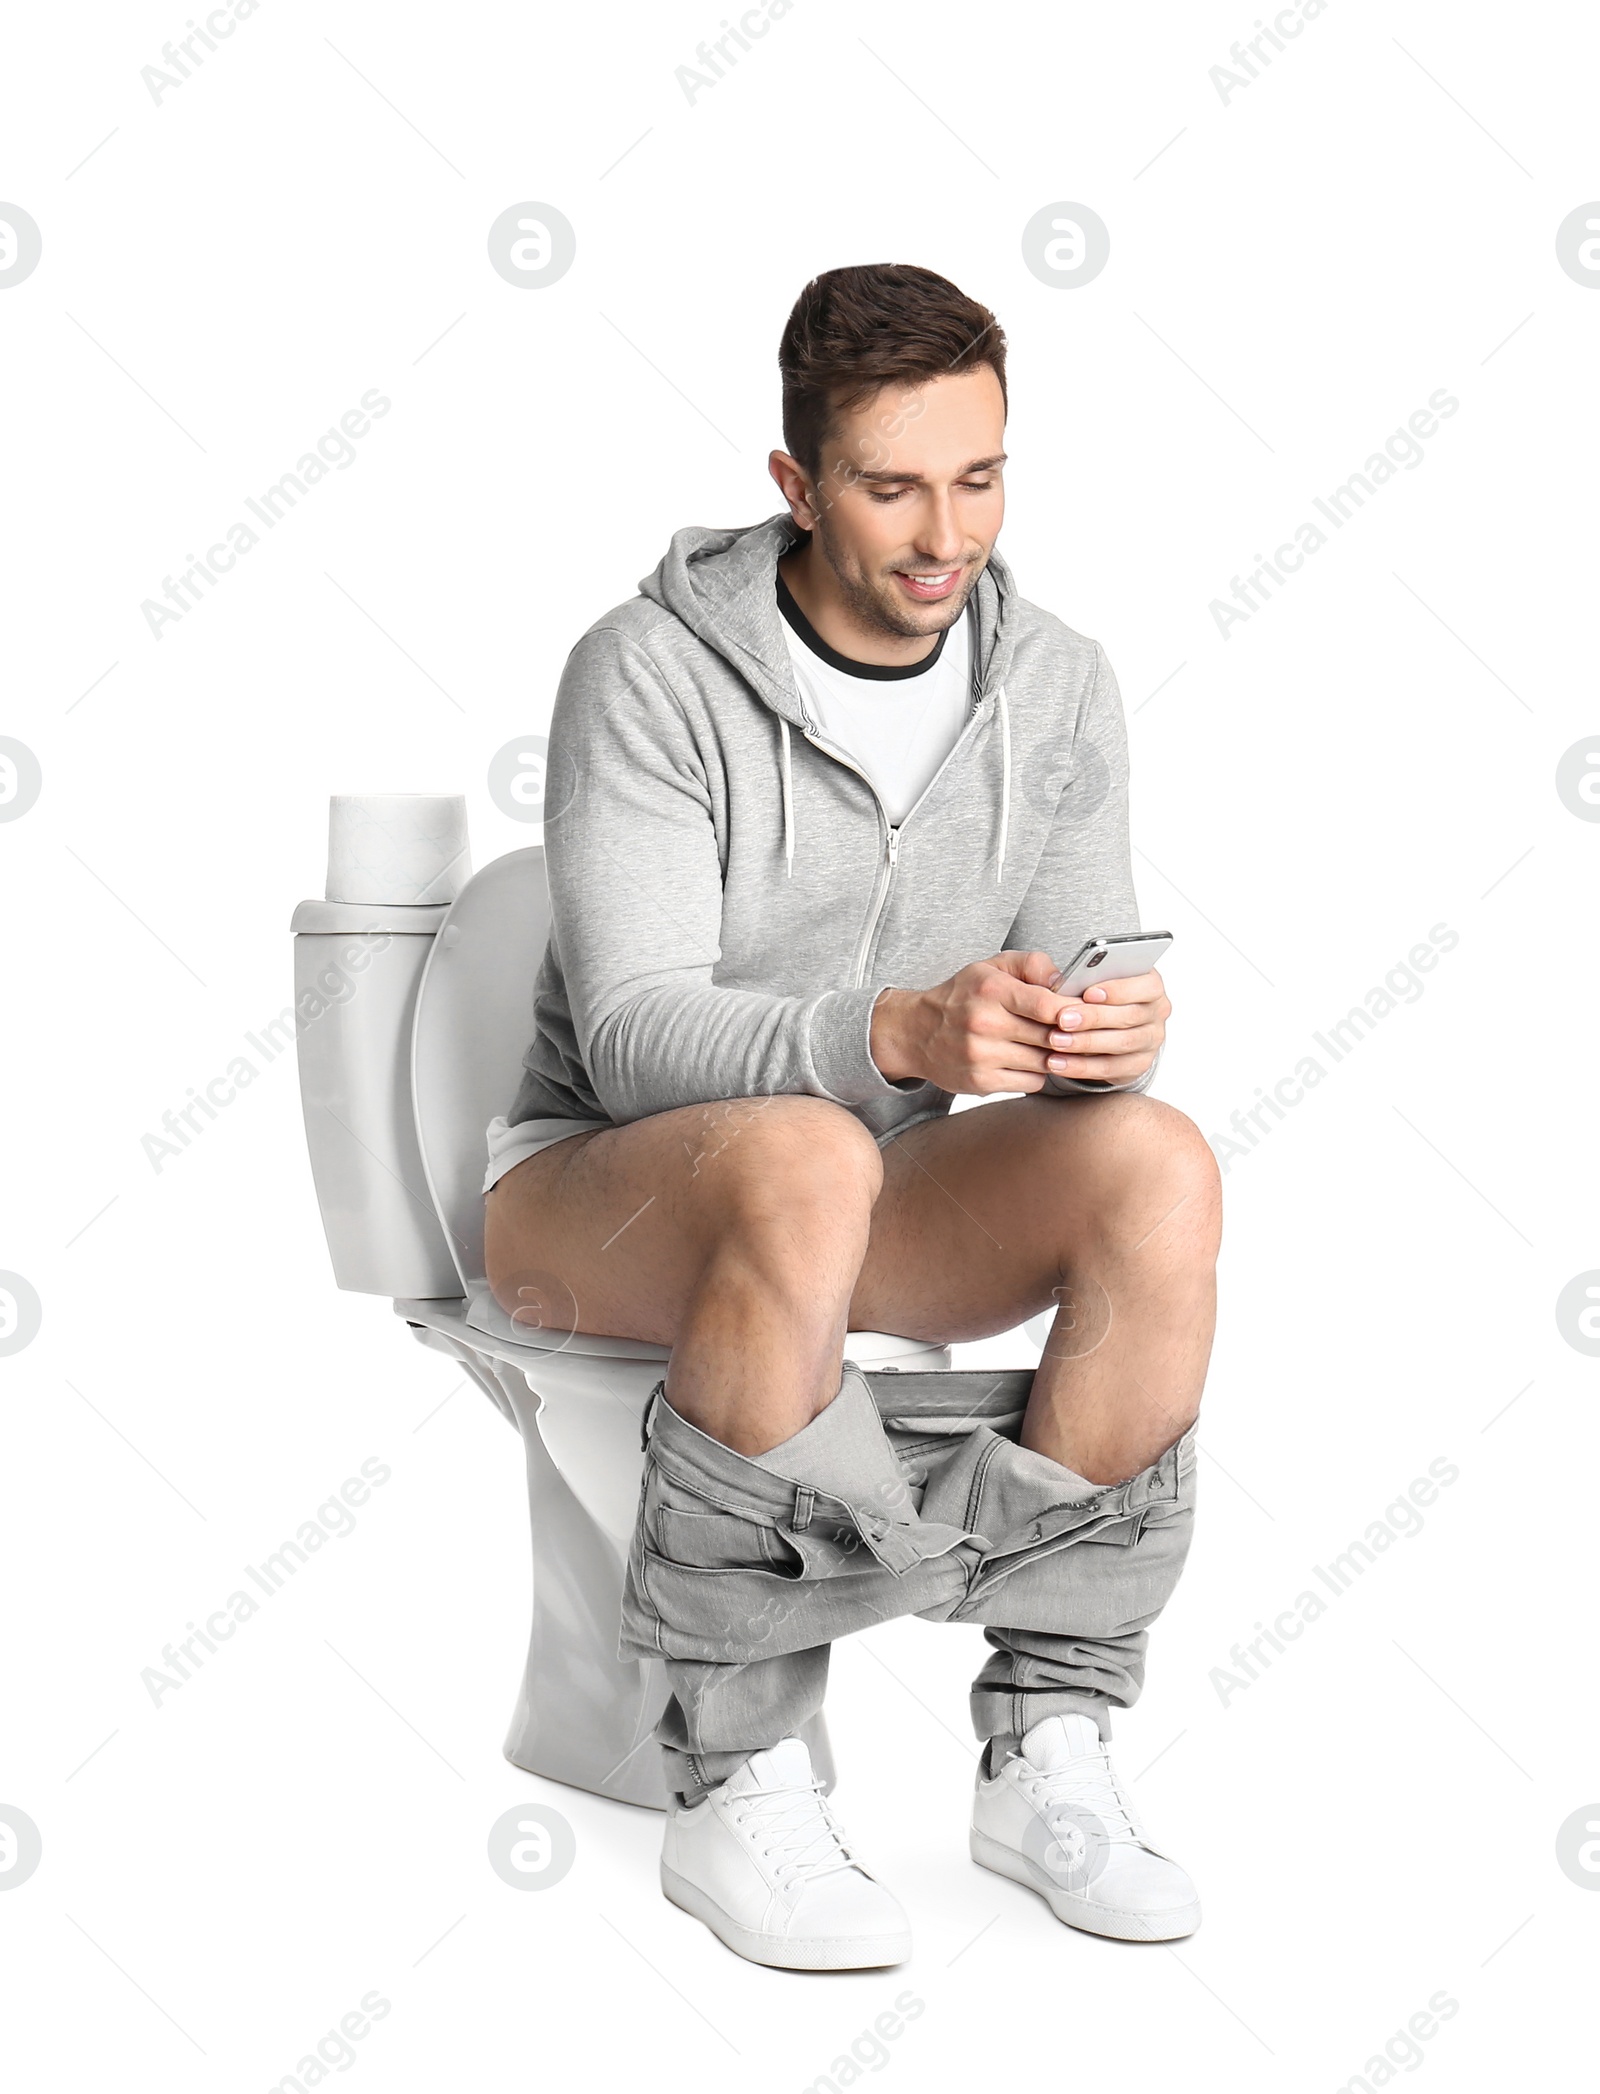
978	465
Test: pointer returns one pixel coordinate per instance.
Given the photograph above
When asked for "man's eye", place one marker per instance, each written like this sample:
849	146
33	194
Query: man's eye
896	494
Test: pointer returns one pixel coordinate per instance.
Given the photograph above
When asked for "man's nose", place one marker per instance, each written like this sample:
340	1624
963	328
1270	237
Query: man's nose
939	535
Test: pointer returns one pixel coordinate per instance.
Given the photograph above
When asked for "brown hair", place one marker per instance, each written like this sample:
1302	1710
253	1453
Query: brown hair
854	331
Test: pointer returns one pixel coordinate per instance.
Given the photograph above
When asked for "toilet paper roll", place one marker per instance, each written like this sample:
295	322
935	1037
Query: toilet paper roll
400	848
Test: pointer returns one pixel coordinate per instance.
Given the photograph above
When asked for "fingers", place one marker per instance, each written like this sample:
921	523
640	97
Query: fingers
1009	1066
1105	1046
1036	967
1022	994
1101	1068
1079	1021
1022	1030
1109	1036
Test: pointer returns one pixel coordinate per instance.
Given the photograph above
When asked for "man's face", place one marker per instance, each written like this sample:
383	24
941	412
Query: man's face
909	501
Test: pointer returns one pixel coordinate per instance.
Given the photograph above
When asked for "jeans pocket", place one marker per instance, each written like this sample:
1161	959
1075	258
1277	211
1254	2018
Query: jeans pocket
714	1540
699	1532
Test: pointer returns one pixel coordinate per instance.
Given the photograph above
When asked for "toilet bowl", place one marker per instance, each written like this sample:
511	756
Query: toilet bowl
412	1022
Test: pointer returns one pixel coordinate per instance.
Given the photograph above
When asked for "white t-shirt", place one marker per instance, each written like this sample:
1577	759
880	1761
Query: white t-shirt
896	725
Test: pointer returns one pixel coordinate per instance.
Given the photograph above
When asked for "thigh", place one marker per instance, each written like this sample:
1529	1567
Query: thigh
609	1231
968	1231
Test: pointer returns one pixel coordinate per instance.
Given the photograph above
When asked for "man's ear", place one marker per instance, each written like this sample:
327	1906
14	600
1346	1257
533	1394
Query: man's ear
795	488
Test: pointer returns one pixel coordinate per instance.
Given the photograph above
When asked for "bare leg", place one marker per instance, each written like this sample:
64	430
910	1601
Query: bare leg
751	1235
1109	1206
731	1232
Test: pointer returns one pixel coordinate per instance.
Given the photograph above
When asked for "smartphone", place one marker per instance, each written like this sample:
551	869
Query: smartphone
1112	959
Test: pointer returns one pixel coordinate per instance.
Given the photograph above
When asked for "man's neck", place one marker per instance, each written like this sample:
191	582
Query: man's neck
812	584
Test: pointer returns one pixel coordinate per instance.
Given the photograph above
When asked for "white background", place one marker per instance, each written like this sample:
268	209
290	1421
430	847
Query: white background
1292	273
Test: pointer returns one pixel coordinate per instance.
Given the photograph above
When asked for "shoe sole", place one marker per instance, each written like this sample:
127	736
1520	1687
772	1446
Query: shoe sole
876	1952
1082	1913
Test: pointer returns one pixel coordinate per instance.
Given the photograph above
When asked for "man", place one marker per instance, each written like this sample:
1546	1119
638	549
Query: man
829	805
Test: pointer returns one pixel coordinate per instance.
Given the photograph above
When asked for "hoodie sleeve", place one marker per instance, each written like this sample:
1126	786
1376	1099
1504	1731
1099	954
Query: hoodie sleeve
636	909
1083	887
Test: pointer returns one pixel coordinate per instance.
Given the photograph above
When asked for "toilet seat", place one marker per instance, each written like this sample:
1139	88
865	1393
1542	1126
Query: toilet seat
484	1313
473	1023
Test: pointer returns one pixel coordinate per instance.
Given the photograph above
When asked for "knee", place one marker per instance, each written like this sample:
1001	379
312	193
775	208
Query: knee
799	1165
1155	1182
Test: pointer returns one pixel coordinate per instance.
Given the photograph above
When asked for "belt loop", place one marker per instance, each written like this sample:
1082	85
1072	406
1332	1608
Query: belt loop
644	1416
804	1501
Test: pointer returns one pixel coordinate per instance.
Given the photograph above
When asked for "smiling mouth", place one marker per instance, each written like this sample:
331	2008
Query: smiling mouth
929	588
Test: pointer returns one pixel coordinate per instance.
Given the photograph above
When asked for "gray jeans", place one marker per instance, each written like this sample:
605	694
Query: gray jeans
909	1494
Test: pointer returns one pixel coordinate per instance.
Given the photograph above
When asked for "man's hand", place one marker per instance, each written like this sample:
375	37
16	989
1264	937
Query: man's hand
997	1026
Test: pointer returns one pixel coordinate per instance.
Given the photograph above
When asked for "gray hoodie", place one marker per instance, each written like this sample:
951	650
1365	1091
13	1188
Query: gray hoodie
728	897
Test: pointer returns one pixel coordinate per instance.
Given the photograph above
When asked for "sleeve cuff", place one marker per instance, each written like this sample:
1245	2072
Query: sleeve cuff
841	1049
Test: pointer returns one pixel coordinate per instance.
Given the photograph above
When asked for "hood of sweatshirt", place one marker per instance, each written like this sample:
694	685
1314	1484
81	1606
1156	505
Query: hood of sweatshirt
719	584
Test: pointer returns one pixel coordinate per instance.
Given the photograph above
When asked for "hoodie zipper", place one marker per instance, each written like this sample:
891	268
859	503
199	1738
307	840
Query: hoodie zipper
891	831
880	901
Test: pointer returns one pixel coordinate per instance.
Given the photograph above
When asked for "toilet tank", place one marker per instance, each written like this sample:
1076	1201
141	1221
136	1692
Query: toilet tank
357	966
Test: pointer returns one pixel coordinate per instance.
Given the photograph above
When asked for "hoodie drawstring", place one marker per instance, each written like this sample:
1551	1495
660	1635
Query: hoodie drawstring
1005	785
788	800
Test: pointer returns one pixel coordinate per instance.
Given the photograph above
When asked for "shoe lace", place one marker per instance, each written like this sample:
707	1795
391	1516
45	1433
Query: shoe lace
1089	1787
795	1829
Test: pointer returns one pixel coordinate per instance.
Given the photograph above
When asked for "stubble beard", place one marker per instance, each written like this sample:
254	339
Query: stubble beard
871	604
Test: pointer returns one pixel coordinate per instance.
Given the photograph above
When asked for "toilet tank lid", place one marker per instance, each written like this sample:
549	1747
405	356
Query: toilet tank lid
367	916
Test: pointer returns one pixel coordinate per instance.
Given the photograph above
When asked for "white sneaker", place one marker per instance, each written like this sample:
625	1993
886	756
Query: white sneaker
763	1862
1056	1819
